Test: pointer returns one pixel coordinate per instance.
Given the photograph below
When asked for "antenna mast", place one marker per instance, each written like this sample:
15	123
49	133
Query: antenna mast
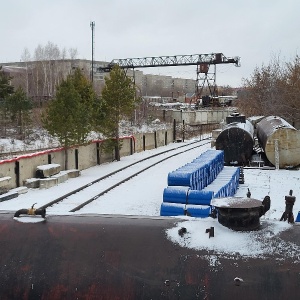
92	24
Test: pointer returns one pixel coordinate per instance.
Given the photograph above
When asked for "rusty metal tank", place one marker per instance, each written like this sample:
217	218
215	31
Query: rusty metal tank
119	257
236	139
274	132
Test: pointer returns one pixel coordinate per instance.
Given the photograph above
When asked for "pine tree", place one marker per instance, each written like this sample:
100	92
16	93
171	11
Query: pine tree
5	88
68	116
5	91
19	106
119	102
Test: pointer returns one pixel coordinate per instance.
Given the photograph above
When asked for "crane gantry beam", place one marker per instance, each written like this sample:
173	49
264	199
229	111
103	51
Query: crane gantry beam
168	61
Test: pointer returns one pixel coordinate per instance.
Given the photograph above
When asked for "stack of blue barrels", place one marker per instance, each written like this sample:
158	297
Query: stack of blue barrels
200	172
191	187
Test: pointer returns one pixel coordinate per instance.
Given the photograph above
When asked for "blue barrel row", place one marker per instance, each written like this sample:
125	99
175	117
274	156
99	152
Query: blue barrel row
226	184
181	200
184	195
194	198
178	209
200	172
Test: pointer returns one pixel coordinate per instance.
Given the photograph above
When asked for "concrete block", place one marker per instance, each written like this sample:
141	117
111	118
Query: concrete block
47	183
4	181
61	177
72	173
32	183
45	171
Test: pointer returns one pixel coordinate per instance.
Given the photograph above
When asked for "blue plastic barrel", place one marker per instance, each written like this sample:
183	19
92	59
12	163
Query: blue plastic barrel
179	178
200	197
175	194
198	211
172	209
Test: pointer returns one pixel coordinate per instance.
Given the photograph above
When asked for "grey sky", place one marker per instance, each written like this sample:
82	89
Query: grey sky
255	30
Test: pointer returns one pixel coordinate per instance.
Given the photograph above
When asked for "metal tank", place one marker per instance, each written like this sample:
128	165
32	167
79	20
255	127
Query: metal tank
119	257
236	140
277	137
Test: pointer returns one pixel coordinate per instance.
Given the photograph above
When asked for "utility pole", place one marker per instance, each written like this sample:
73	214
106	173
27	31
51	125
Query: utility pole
92	24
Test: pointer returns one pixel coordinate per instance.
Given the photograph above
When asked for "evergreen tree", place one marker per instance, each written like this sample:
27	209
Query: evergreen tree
5	91
5	88
88	97
68	116
19	106
98	115
118	102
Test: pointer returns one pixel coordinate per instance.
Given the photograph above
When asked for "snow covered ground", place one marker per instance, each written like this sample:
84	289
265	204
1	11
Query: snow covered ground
142	197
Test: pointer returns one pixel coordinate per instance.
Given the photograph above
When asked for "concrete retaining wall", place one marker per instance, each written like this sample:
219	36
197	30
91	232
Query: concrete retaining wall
205	116
24	167
7	169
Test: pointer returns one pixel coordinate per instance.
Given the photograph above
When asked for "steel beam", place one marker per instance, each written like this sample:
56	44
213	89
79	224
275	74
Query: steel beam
169	61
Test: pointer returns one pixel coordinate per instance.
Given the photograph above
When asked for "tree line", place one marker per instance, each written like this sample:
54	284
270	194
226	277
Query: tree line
45	69
273	89
77	106
76	109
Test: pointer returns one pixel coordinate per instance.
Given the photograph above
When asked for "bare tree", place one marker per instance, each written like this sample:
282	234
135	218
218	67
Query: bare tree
73	53
291	88
38	57
262	91
52	55
26	59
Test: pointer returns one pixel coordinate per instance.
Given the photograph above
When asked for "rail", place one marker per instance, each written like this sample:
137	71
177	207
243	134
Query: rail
152	161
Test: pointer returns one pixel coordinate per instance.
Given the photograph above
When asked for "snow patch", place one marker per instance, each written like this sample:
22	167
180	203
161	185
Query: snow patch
232	244
30	219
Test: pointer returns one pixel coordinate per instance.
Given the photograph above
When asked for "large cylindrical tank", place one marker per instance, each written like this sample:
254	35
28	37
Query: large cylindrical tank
117	257
236	140
274	132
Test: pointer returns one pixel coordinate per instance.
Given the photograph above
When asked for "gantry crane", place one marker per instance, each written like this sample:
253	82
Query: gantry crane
202	61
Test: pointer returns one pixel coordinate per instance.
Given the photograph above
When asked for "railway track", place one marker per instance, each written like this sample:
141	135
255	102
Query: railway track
81	196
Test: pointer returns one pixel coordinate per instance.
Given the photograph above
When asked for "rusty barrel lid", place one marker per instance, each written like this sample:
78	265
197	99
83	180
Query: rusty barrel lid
236	202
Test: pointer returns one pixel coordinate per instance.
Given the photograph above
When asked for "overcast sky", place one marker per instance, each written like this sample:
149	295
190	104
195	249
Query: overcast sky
254	30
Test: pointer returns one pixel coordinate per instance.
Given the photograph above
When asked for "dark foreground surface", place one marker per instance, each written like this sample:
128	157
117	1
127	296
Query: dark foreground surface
101	257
